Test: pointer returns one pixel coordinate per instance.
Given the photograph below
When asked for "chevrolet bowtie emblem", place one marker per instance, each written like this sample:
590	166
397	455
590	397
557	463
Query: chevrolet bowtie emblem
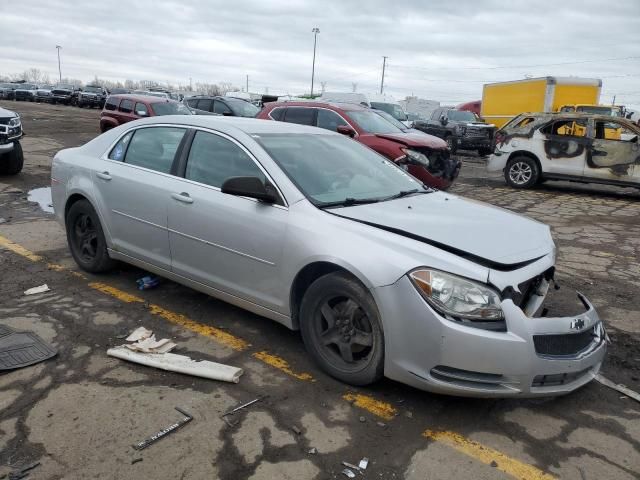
577	324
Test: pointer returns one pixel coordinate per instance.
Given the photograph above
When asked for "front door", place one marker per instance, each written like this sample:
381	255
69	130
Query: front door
614	159
134	182
565	143
231	243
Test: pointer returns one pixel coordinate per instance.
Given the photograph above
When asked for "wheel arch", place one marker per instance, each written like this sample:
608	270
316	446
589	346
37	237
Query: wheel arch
525	153
305	277
76	196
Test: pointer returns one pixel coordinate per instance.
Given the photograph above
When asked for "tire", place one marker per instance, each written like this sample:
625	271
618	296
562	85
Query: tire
11	163
451	143
86	238
341	329
522	172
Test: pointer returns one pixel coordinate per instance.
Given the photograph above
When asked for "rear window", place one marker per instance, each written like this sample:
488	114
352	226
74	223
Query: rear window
126	106
111	103
204	104
277	113
300	115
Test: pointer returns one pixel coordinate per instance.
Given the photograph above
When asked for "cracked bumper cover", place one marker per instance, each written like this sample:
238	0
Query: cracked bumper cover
429	352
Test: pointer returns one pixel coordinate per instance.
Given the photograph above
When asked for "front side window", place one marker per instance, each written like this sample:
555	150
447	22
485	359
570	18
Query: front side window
277	113
371	122
568	127
204	104
461	116
329	120
213	159
299	115
240	108
154	148
392	109
170	108
332	168
221	108
192	102
126	106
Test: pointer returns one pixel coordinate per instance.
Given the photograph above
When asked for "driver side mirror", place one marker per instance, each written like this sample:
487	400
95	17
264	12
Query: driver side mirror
346	130
141	113
443	120
251	187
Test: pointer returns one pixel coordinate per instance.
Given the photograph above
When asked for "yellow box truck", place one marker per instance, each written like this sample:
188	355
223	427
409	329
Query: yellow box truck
504	100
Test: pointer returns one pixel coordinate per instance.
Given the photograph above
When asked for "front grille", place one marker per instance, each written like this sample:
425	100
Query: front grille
558	378
5	121
563	345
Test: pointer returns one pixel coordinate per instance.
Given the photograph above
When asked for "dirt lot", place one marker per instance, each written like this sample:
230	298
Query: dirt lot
79	413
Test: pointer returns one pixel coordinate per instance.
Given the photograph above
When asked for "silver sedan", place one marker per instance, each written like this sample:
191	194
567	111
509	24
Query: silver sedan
382	275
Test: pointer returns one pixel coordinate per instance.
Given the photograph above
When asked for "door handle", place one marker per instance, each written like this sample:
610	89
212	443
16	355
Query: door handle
103	175
182	197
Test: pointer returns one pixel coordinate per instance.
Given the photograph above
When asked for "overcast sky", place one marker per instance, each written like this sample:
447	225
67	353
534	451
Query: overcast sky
442	50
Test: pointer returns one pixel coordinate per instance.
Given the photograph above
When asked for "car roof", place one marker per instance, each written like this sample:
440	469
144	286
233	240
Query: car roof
311	103
143	98
250	126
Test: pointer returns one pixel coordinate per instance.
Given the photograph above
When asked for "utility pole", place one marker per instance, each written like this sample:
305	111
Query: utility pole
59	69
384	65
315	32
247	84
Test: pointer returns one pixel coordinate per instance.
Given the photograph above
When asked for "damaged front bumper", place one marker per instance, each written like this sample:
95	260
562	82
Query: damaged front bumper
535	356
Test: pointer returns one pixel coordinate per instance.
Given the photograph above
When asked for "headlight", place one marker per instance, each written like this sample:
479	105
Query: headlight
416	156
456	296
462	130
14	122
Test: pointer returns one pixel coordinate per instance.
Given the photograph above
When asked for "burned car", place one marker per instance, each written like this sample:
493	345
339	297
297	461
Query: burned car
575	147
11	157
382	275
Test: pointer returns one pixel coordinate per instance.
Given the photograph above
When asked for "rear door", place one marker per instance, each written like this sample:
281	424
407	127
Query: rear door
300	115
221	108
135	181
125	111
615	159
230	243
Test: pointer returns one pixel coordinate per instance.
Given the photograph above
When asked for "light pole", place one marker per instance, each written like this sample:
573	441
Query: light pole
59	69
384	65
315	32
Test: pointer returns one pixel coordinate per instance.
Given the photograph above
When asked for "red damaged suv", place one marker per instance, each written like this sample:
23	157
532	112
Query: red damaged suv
119	109
424	156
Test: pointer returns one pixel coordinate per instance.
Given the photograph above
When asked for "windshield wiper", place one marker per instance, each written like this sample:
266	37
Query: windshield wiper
348	202
404	193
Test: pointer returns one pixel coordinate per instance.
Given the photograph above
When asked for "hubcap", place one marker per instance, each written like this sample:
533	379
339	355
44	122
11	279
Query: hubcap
344	332
85	237
520	173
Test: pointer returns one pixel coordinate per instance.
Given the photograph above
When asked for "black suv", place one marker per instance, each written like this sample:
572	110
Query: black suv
228	106
92	96
460	129
11	158
64	93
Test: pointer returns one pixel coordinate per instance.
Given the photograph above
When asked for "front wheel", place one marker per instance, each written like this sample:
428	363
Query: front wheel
522	172
341	329
86	238
12	162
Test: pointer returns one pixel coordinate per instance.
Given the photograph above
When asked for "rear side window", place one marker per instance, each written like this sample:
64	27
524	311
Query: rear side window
126	106
221	108
192	103
277	113
300	115
141	109
329	120
118	151
204	104
111	103
213	159
154	148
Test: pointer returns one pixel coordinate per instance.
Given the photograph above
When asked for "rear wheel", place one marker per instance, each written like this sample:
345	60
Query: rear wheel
341	329
11	163
86	238
450	143
522	172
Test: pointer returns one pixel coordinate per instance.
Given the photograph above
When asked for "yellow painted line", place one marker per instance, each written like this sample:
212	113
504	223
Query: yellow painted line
488	455
19	249
281	364
377	407
115	293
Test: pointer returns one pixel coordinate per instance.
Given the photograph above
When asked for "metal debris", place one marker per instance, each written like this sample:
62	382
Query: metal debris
618	387
381	424
296	430
364	463
165	431
41	289
312	451
244	405
348	473
350	465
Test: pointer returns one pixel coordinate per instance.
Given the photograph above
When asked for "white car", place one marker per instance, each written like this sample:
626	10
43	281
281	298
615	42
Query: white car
577	147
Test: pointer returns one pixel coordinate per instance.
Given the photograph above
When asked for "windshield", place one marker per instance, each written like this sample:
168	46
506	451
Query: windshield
371	122
391	120
612	111
64	86
331	168
242	108
462	116
392	109
170	108
92	89
7	85
26	86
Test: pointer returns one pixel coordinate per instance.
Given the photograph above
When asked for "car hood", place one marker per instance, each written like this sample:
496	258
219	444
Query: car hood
415	139
4	113
488	235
